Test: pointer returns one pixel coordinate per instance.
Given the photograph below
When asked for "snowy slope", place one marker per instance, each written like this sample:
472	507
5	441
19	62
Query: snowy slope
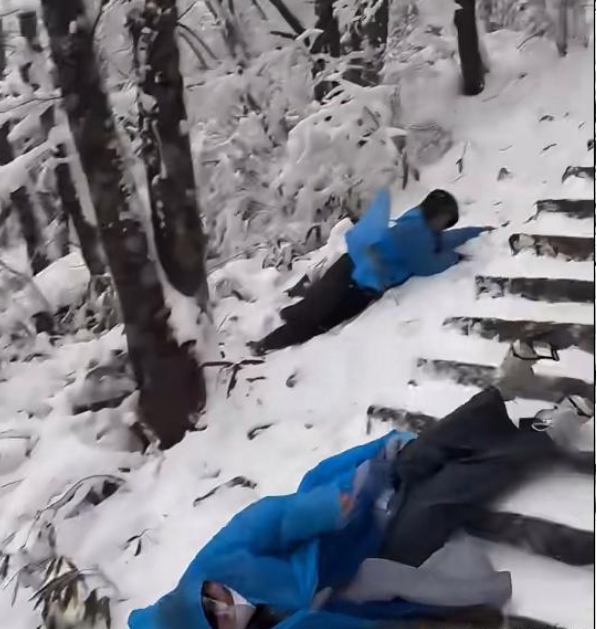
313	398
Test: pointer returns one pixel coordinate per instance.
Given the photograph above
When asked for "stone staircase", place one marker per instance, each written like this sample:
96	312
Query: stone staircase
577	249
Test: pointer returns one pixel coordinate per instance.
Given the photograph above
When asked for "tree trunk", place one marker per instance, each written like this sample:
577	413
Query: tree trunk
171	383
471	63
376	28
70	206
2	51
23	207
71	209
20	199
373	31
167	156
329	39
370	28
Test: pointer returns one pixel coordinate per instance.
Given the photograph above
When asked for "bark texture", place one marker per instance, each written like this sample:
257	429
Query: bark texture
166	149
171	384
70	206
24	210
471	62
20	199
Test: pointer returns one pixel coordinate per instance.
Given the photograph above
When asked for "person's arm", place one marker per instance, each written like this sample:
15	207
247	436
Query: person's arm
331	468
417	245
275	524
454	238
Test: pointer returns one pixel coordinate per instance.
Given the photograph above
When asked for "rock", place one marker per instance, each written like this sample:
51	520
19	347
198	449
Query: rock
504	174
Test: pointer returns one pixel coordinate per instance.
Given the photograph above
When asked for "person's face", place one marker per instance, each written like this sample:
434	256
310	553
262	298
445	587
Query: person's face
224	605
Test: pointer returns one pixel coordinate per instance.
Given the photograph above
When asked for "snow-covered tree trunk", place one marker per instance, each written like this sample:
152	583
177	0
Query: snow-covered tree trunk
22	207
3	45
370	34
376	26
471	63
329	39
44	196
171	383
167	156
70	206
327	42
367	33
19	198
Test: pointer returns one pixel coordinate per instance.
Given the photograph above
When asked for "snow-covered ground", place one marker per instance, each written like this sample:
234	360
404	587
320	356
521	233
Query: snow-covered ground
313	398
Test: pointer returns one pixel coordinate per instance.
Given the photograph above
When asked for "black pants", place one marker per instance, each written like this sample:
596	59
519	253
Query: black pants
447	477
329	301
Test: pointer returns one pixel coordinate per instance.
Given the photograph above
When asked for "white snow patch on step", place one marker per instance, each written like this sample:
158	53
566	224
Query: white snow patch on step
527	264
552	224
578	187
546	589
511	307
451	345
437	399
573	363
562	496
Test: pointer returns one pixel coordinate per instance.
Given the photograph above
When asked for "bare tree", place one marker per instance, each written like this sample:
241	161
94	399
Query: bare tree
170	381
471	62
167	156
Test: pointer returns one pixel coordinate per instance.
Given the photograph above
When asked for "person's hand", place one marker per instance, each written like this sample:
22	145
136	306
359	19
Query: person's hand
487	229
463	258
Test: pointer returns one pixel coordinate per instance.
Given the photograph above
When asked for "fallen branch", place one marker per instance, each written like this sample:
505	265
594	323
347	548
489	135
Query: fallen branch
237	481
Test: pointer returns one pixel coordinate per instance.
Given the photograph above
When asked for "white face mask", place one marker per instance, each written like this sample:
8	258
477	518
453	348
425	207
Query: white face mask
243	610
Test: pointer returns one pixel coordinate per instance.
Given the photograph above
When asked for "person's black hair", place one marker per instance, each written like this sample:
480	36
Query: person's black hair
440	202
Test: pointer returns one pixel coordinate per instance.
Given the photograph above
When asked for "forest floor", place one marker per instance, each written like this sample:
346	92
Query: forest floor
533	119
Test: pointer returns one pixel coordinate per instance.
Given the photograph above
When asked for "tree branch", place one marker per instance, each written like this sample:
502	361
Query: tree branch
190	44
198	39
29	280
259	8
287	14
5	214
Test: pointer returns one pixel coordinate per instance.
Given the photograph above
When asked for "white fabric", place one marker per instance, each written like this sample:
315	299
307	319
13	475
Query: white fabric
243	610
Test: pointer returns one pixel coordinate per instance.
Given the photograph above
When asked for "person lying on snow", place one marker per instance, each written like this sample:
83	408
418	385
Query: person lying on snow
376	533
380	255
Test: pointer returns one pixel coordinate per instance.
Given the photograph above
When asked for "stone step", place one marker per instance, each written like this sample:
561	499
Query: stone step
583	172
547	388
402	419
553	290
560	334
567	247
574	208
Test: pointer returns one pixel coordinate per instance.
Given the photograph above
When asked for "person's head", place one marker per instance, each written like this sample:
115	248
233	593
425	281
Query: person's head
440	210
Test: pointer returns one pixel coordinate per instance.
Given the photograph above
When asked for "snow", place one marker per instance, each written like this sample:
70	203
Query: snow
315	396
15	174
61	284
525	264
